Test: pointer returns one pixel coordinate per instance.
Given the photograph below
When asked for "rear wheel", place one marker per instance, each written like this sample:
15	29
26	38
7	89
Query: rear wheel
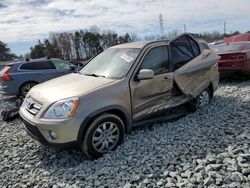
104	134
26	88
203	99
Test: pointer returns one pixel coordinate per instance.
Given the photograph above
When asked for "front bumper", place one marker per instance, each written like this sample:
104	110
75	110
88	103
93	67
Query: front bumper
34	132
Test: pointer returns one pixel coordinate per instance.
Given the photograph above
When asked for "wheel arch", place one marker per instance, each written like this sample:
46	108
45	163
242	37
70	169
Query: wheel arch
211	90
116	110
31	81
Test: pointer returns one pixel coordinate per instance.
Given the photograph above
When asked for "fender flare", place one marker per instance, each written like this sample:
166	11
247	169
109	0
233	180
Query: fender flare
89	118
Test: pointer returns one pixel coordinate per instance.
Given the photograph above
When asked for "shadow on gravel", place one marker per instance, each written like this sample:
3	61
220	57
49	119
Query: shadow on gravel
11	99
235	78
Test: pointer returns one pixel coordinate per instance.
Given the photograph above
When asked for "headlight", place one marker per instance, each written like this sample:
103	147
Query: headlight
62	109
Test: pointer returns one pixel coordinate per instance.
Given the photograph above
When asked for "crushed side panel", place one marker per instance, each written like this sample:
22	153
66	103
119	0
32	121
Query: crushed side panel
196	75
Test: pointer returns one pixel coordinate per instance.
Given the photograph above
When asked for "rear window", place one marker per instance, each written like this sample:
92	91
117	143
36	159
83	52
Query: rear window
227	48
39	65
204	46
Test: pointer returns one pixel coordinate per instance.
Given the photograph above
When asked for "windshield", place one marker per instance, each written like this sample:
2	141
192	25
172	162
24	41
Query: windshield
227	48
112	63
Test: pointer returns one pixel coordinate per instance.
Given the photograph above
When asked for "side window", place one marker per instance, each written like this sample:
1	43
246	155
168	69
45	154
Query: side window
61	65
195	47
27	66
44	65
183	50
38	65
204	46
156	60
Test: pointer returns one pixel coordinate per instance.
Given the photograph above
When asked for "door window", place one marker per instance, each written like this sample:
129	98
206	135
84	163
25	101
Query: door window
195	47
61	65
156	60
183	50
38	65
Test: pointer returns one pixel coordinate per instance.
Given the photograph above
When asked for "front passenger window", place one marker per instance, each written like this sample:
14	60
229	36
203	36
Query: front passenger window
156	60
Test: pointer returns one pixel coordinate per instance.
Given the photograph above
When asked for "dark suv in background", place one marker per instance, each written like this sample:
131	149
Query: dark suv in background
19	77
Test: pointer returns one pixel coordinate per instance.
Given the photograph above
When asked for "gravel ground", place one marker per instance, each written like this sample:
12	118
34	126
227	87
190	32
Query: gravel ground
210	147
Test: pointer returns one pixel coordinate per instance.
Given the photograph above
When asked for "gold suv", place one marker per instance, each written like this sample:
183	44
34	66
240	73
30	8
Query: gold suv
120	88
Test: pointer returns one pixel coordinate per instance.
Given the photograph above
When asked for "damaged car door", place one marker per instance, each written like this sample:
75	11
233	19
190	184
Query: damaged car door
194	69
150	94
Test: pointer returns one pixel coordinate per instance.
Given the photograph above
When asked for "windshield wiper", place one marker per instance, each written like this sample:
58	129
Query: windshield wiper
95	75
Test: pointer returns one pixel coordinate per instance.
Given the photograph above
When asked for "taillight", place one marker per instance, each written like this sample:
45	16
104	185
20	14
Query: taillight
5	75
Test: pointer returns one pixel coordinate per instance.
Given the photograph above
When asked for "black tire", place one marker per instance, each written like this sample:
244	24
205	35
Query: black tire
198	103
90	145
18	103
26	87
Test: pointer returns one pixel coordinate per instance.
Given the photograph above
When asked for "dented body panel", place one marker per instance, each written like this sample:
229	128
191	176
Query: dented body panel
198	74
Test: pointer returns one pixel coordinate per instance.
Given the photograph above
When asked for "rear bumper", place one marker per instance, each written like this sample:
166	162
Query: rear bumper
8	89
242	67
232	69
34	132
3	90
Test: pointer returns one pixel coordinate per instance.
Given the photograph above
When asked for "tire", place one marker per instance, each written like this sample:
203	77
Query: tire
97	139
26	87
203	99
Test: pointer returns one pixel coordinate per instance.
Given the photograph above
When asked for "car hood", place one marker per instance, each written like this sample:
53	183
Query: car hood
70	85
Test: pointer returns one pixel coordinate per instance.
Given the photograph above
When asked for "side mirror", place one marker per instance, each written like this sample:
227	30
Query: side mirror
145	74
73	68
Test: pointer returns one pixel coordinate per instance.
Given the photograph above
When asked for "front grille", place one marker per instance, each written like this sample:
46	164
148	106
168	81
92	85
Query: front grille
32	106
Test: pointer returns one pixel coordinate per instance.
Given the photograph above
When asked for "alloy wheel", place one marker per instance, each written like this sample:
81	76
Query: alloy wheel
203	98
106	137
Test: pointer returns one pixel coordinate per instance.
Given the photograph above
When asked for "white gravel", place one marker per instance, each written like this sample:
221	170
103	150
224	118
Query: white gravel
210	147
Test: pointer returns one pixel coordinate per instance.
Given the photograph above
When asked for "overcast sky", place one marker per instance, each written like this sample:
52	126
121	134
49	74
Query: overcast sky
23	22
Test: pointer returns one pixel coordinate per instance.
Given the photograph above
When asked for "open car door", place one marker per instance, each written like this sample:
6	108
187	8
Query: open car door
194	68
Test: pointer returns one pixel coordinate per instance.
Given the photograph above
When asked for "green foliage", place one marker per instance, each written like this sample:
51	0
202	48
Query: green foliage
5	53
80	45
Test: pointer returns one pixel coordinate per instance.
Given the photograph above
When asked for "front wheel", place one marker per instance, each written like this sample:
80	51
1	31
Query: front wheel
104	134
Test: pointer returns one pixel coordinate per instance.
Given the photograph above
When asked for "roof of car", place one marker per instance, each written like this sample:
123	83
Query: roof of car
33	60
138	44
233	43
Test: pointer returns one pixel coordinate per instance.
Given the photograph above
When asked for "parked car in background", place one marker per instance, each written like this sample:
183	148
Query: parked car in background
122	87
238	38
215	43
79	64
235	57
19	77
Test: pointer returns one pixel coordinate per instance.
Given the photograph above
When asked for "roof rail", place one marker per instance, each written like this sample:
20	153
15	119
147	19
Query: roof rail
155	41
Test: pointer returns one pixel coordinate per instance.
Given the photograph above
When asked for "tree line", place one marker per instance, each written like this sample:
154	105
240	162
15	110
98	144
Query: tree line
80	45
84	44
5	52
